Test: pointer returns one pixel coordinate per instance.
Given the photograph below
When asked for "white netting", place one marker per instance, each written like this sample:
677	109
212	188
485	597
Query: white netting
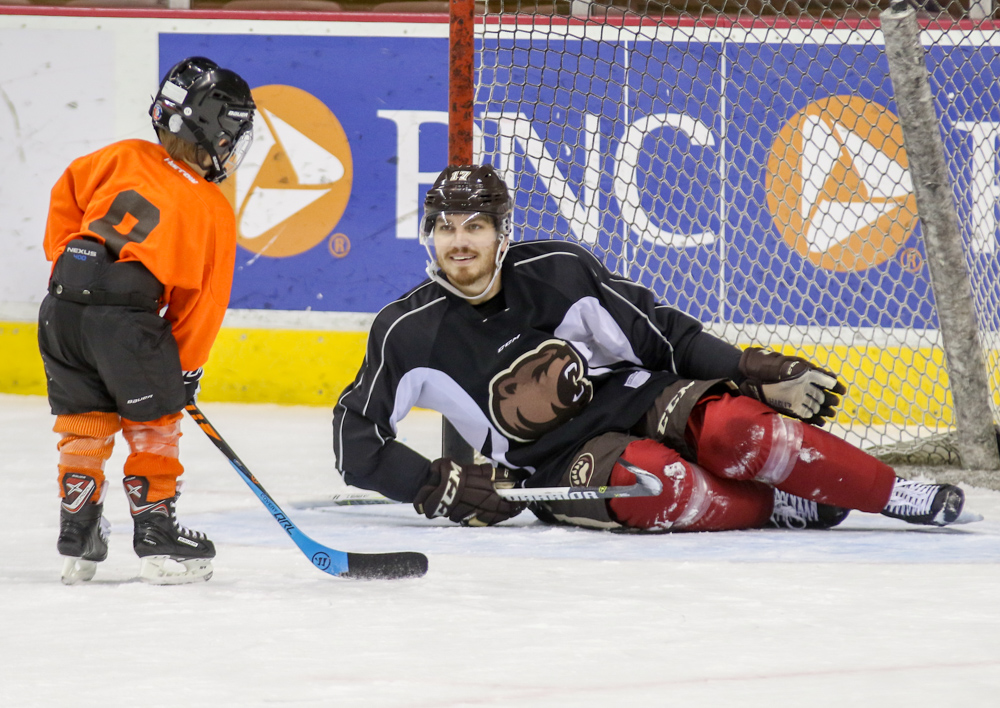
749	167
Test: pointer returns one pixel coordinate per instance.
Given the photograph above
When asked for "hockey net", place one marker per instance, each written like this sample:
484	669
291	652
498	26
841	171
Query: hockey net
744	160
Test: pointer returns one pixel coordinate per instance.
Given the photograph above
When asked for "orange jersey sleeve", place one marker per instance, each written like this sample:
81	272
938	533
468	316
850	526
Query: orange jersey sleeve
134	197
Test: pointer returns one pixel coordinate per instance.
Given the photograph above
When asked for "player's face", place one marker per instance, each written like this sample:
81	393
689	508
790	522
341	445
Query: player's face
466	248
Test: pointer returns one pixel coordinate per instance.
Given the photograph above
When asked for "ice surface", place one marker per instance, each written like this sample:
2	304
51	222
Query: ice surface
873	613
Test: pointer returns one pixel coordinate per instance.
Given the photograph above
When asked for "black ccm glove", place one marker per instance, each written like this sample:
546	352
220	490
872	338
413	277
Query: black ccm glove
790	385
466	494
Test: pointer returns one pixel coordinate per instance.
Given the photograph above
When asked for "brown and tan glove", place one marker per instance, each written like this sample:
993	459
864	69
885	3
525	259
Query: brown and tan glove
790	385
466	494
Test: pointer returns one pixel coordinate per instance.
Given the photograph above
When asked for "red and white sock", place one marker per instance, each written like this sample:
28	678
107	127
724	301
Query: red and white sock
740	438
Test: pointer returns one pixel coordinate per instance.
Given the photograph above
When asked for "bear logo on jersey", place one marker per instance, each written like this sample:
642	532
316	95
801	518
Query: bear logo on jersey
540	391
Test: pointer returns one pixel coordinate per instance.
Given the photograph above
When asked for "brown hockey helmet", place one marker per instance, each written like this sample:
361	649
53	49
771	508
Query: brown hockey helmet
468	189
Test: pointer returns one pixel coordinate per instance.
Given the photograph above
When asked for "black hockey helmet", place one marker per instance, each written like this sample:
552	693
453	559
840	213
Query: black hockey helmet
202	103
473	189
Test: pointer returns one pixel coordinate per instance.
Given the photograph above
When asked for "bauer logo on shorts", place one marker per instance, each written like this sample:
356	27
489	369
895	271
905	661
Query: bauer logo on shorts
295	182
838	184
540	391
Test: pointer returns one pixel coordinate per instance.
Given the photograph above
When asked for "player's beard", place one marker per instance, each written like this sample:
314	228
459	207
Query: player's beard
478	272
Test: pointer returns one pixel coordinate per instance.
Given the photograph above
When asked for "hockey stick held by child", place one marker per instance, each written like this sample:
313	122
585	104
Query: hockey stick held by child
343	564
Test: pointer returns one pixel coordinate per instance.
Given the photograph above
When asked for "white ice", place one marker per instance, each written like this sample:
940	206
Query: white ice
873	613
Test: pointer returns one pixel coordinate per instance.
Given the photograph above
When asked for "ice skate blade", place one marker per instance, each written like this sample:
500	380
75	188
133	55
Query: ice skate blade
76	570
163	570
967	517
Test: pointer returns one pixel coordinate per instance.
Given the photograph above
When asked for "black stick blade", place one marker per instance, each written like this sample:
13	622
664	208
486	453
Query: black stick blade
385	566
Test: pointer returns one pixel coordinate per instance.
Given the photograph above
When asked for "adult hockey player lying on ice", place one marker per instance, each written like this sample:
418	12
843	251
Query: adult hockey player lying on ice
138	230
553	368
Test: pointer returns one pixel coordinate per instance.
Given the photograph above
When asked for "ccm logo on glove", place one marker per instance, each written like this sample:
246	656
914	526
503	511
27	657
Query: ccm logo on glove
450	490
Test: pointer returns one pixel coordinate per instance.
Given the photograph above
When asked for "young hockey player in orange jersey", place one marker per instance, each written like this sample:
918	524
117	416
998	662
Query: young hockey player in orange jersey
143	244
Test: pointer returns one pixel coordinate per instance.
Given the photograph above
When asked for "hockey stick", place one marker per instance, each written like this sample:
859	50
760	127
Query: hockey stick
646	485
339	563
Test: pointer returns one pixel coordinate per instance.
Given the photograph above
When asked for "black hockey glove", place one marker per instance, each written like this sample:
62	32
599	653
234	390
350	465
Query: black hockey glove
192	384
790	385
466	494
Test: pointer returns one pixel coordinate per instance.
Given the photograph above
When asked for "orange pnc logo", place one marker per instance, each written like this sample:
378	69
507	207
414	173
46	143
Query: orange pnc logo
838	184
294	183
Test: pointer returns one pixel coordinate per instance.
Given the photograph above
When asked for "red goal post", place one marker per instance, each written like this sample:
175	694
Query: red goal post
461	80
461	94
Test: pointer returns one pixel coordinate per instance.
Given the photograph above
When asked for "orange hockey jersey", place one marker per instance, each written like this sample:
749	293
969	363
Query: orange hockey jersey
134	197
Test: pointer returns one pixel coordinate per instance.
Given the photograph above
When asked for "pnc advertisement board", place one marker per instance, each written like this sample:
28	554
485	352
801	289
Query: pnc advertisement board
771	189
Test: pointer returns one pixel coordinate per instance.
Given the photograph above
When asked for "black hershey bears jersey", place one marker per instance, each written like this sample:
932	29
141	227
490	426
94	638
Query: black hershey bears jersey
567	351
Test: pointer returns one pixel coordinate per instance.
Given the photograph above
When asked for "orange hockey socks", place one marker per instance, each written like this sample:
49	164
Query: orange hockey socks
154	454
87	442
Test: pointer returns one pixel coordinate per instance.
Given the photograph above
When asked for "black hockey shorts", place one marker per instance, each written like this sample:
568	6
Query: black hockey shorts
109	358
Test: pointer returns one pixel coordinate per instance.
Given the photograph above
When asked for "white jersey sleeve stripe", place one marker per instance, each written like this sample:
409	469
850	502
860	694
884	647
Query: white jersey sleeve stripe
381	364
544	255
652	326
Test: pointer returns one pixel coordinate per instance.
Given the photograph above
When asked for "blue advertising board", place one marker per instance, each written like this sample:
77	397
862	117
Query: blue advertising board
354	263
745	182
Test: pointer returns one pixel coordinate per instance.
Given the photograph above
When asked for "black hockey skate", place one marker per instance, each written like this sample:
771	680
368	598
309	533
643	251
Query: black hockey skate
927	504
170	553
83	530
792	512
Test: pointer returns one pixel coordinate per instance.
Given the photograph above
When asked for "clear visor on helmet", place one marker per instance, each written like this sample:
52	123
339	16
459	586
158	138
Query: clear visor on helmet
232	161
451	224
468	232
